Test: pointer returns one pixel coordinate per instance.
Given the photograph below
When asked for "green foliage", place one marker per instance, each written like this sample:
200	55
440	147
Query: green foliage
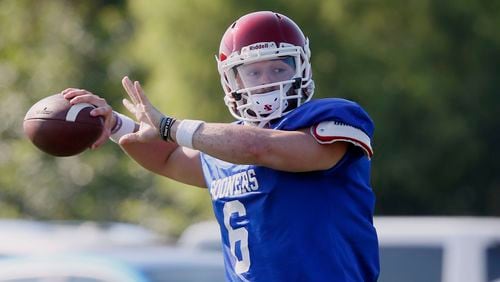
426	71
51	45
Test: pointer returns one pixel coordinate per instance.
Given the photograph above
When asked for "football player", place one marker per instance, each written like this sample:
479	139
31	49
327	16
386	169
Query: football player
289	181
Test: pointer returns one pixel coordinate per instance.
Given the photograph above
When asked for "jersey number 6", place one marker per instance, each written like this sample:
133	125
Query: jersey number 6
237	234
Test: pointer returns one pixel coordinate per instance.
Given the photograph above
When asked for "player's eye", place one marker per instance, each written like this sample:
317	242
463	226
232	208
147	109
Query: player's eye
278	70
252	73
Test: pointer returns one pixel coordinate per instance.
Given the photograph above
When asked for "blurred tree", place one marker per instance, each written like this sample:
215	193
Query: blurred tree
45	47
428	74
51	45
426	71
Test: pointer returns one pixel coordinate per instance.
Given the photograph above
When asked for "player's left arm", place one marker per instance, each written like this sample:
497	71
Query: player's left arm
294	151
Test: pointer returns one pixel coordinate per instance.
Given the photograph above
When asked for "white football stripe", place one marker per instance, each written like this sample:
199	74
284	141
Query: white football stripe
75	110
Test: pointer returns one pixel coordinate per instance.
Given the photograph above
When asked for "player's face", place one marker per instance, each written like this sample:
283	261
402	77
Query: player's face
265	72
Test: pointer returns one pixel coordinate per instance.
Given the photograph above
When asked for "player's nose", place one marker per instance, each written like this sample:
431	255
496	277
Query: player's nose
267	77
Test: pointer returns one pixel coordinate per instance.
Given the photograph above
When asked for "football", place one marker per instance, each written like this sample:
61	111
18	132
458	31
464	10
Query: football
60	129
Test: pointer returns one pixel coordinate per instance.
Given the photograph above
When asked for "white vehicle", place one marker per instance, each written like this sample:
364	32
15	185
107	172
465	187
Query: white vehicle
30	237
118	264
70	251
202	235
447	249
414	249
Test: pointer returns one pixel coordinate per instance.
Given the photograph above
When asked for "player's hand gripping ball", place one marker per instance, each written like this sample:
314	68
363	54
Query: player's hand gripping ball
61	129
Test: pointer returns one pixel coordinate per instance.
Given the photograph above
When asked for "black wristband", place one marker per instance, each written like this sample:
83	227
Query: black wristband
118	123
166	123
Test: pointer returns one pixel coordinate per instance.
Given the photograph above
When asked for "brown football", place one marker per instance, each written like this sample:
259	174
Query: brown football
61	129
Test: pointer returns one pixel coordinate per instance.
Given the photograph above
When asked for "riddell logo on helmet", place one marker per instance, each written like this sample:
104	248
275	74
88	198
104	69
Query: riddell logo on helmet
259	46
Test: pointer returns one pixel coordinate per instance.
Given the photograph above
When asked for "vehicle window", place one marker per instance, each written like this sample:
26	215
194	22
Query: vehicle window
410	264
83	279
186	274
24	280
493	262
55	279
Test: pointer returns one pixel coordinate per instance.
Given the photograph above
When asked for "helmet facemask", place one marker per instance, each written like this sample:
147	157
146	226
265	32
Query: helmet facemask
257	100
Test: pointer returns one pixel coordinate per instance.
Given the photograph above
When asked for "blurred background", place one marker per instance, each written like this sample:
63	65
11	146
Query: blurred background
428	72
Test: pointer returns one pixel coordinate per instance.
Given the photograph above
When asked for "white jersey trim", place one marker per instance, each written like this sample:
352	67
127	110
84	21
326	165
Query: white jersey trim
328	132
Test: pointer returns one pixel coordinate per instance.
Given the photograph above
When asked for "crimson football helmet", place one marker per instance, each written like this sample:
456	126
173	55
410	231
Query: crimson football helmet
264	66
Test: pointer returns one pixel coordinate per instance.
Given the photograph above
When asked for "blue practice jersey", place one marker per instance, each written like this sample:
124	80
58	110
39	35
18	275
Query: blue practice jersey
310	226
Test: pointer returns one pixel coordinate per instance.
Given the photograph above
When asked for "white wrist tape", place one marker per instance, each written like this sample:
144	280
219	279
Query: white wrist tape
185	132
124	125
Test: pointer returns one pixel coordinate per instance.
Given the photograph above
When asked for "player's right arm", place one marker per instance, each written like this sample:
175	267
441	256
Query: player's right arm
148	150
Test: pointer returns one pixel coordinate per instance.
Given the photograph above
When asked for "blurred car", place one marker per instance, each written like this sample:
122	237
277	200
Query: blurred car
29	237
447	249
123	264
413	249
203	235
